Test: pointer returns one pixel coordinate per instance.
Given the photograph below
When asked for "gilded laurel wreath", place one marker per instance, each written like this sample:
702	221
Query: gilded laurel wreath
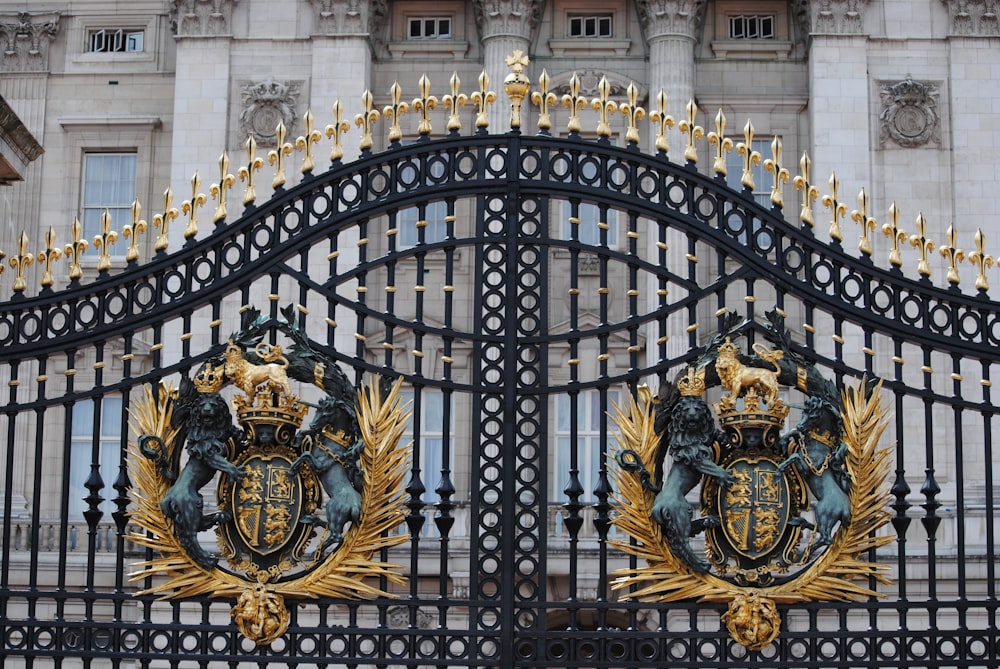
752	617
260	611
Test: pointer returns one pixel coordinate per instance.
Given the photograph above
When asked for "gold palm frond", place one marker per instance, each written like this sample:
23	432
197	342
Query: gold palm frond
383	422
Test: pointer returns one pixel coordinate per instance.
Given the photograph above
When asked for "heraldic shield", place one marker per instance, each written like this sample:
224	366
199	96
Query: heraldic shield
300	511
785	515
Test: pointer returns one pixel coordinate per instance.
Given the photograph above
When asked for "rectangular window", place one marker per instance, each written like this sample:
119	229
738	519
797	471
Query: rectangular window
589	214
751	26
761	179
429	27
433	224
591	413
590	26
108	40
432	431
107	440
108	185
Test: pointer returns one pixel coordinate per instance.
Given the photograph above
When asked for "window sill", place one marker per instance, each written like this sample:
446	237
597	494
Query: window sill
429	48
589	46
752	49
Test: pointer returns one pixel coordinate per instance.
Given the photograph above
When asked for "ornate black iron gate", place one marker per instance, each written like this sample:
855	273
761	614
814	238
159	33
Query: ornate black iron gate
521	285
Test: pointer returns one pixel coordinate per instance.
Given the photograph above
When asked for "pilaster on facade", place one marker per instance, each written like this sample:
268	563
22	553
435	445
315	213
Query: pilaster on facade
973	18
838	17
203	18
348	17
26	37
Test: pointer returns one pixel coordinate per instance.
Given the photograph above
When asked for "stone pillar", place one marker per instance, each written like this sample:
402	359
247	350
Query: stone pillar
671	31
506	27
840	109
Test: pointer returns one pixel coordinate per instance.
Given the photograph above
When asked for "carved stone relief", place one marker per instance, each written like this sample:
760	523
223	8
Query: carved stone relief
909	115
973	18
839	17
349	17
264	105
671	17
26	40
507	17
202	18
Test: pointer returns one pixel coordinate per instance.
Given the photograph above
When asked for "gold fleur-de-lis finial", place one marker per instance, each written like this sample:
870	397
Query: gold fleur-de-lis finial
190	207
516	85
104	241
981	260
953	254
335	130
662	120
779	175
21	261
867	223
132	231
575	102
366	119
693	132
837	208
542	98
277	155
896	236
483	98
395	111
305	142
453	101
424	104
162	221
604	107
254	164
750	157
723	145
920	241
633	113
218	191
809	192
49	256
76	248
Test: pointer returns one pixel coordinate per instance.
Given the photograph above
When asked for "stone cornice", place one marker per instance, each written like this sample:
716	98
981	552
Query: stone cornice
661	18
202	18
973	18
516	18
16	136
838	17
26	38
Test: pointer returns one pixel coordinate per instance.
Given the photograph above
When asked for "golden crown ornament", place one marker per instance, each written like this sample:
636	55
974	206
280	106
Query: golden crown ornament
302	512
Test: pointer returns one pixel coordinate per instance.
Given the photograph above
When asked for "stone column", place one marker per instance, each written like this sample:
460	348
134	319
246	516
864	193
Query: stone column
506	27
671	31
840	109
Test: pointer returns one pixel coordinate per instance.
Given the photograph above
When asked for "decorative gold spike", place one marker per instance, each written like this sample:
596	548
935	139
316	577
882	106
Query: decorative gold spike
925	245
277	156
779	175
867	223
483	98
953	254
604	107
305	142
692	131
132	232
575	102
162	221
896	235
335	130
75	249
662	120
837	208
395	111
633	113
48	256
424	104
750	157
453	101
254	164
723	145
542	98
103	242
981	260
190	207
516	85
218	191
366	120
809	192
21	260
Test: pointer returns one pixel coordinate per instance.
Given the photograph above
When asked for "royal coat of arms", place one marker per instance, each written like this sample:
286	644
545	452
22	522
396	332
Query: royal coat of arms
299	511
784	515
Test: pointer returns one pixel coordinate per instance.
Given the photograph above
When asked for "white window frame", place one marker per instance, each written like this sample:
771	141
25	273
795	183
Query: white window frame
588	440
81	453
118	203
734	171
435	33
751	26
577	26
121	39
432	433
